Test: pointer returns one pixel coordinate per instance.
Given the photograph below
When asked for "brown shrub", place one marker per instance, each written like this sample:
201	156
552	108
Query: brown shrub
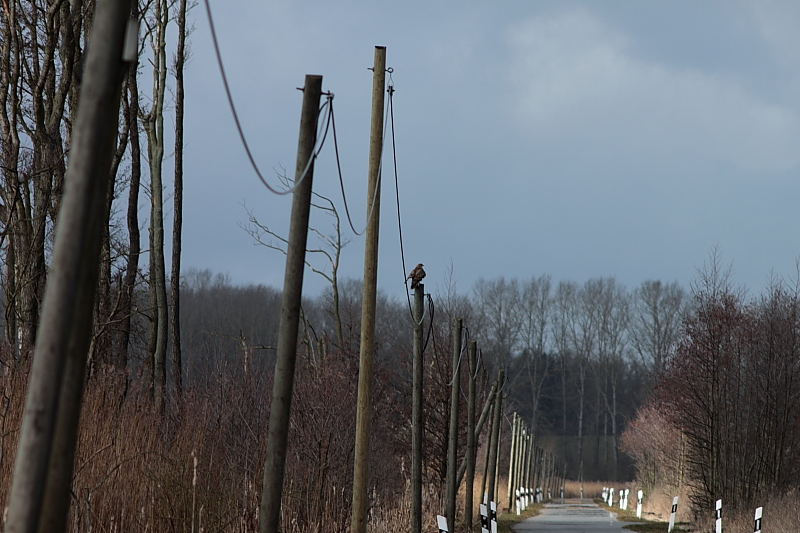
200	468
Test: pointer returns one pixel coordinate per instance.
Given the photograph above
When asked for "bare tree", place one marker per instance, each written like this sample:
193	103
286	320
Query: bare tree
614	315
656	321
331	247
179	62
497	302
153	122
564	301
534	318
128	282
576	335
39	50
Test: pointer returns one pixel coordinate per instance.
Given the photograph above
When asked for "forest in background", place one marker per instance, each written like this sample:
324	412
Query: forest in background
229	333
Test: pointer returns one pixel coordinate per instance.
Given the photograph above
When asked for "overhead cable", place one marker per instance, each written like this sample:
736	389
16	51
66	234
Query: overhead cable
328	103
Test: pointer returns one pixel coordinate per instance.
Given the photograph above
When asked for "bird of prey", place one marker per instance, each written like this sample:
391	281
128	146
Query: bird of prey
416	276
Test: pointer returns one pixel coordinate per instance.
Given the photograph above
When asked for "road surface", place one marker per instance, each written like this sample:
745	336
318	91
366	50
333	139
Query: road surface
573	516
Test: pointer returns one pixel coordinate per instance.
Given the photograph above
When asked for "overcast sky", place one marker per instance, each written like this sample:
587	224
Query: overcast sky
571	138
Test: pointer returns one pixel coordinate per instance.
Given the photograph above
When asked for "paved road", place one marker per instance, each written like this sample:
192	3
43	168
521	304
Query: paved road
573	516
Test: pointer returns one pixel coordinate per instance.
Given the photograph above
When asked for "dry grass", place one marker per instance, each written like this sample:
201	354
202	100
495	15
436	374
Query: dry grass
658	505
781	514
591	489
136	471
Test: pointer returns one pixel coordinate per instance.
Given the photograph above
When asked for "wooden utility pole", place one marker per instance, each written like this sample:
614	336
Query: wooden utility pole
416	412
45	454
487	459
487	407
471	441
270	511
494	445
526	463
452	442
368	301
512	462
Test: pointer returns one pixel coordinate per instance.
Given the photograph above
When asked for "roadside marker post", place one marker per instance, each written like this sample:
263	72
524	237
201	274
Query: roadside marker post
757	525
718	516
484	518
442	523
639	505
672	514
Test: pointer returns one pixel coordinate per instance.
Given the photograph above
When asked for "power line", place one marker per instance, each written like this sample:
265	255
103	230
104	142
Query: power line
430	328
397	192
329	103
341	179
460	356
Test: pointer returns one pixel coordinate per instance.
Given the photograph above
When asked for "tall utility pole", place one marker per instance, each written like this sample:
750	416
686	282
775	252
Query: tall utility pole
471	444
494	445
512	463
484	494
364	409
416	412
46	449
488	410
452	442
526	464
270	511
487	407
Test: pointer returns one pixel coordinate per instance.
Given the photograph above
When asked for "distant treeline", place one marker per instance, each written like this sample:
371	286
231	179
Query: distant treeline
580	357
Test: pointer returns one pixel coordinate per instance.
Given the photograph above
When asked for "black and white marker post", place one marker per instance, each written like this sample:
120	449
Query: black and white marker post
718	517
441	522
639	505
484	518
672	514
757	525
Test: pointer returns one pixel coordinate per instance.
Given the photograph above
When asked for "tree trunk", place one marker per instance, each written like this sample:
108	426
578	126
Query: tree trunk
175	275
154	126
132	218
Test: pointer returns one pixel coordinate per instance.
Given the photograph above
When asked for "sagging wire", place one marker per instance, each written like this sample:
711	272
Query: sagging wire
380	171
505	382
424	313
478	364
246	146
464	343
390	90
430	328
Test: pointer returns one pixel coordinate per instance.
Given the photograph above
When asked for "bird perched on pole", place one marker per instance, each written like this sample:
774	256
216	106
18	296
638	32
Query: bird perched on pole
416	275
